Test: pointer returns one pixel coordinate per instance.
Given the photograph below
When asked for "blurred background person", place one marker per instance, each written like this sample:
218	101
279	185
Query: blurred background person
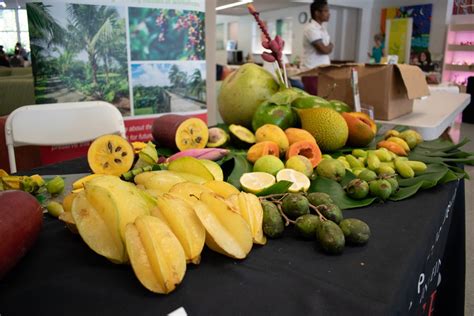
316	44
19	50
424	61
316	40
3	58
378	51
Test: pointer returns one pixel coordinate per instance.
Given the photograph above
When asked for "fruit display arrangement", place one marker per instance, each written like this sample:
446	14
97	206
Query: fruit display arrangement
283	159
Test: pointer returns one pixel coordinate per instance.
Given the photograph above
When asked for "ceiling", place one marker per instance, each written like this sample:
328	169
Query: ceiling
260	5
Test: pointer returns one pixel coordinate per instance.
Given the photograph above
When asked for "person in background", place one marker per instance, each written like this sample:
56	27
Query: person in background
424	61
378	51
17	61
19	50
3	58
316	40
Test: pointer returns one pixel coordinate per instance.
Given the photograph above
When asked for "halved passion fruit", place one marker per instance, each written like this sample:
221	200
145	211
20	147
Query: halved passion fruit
217	137
110	154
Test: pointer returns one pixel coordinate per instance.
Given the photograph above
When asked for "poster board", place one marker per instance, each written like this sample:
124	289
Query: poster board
421	15
147	58
398	39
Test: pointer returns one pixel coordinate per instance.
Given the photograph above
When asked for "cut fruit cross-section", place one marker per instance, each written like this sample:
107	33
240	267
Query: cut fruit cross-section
255	182
110	154
300	181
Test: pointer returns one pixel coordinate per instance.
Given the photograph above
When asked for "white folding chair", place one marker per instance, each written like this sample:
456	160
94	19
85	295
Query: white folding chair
60	124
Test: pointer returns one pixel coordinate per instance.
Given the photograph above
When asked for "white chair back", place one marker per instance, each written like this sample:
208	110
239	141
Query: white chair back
60	124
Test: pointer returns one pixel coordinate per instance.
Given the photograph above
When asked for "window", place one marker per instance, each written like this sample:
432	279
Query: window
14	28
282	27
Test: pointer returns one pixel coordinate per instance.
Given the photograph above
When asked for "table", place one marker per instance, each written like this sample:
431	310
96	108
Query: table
433	114
415	244
443	87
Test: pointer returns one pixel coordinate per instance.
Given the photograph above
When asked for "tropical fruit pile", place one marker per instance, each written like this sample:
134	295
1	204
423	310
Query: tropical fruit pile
284	159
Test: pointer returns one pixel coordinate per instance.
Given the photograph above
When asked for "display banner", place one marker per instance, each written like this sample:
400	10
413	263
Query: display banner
146	57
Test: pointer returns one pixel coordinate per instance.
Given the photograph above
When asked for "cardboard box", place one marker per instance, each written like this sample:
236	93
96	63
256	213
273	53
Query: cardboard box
390	89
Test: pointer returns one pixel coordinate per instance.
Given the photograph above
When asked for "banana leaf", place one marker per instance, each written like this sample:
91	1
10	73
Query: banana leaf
337	193
442	144
449	176
428	179
406	192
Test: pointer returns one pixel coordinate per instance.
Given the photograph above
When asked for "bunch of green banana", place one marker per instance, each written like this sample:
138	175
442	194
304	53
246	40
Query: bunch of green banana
382	161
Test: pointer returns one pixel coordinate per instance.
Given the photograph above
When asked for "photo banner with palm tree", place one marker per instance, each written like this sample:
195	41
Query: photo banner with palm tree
146	59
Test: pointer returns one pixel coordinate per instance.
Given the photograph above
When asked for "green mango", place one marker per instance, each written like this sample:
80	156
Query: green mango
269	113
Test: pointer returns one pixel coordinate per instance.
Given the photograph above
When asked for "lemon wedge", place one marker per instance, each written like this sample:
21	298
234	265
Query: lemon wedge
300	181
255	182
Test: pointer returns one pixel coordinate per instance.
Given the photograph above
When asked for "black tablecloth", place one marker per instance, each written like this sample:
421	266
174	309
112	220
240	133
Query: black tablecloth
404	269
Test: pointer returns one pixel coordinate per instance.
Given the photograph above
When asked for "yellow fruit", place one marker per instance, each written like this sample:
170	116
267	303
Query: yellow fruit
189	191
192	133
156	255
110	154
252	212
214	168
273	133
103	210
400	142
326	125
222	188
79	184
67	201
191	165
227	232
184	223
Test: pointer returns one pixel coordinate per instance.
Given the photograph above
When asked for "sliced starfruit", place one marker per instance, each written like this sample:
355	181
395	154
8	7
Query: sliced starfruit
184	223
79	183
227	232
251	210
156	255
189	191
98	228
106	206
222	188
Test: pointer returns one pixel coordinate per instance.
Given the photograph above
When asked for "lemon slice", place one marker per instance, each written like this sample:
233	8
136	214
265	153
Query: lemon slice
255	182
300	181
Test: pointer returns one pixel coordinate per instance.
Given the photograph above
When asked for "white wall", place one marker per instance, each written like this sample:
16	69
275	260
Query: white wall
221	55
344	28
441	12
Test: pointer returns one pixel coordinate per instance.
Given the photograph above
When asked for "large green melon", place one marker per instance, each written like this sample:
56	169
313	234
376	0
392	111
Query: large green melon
242	92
